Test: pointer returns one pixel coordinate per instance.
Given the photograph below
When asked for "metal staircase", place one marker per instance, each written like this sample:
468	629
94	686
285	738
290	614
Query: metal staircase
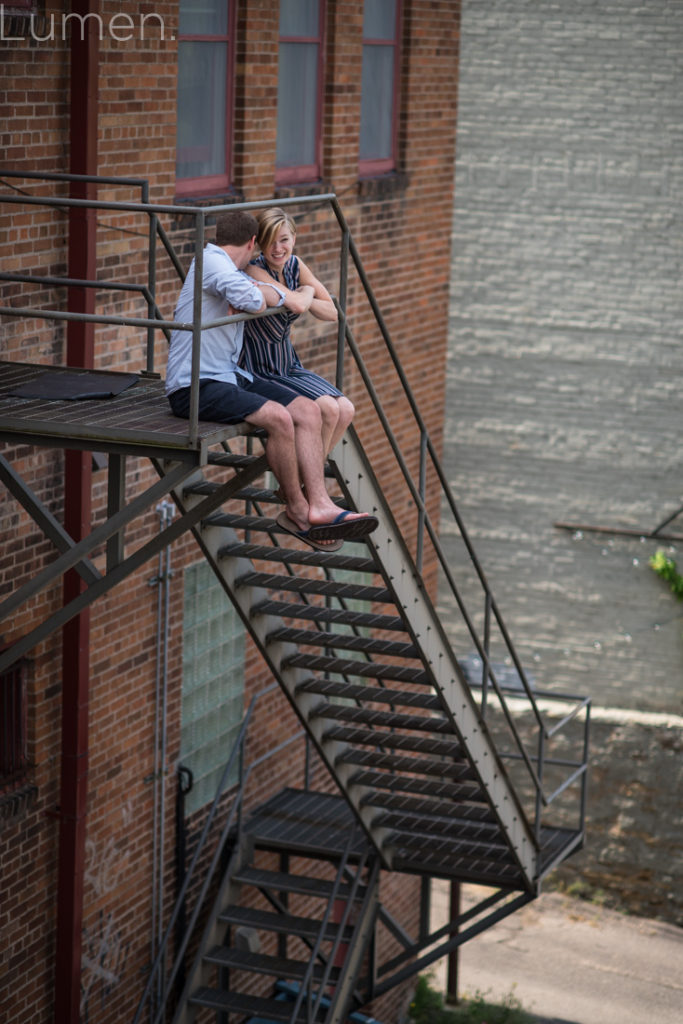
357	646
438	774
310	926
391	715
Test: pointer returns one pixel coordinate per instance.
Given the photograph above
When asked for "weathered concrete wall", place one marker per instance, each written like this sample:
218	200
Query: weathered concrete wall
565	370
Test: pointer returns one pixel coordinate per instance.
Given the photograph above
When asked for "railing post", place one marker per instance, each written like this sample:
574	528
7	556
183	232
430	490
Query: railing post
487	644
196	325
341	324
151	279
539	788
421	490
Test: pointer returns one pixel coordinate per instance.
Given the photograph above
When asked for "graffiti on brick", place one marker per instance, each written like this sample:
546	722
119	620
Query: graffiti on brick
104	865
102	963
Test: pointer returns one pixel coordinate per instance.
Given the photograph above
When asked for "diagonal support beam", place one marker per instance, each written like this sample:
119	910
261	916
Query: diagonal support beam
75	552
43	518
139	557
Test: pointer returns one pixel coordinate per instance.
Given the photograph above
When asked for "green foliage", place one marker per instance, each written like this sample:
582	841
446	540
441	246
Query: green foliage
428	1007
666	568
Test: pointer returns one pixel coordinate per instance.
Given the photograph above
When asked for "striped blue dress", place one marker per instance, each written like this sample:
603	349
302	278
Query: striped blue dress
268	350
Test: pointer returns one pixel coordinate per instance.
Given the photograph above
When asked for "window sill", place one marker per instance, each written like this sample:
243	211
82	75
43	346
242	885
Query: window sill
382	185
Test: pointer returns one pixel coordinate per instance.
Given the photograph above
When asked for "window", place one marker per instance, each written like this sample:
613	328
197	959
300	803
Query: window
205	76
379	86
299	104
12	723
213	682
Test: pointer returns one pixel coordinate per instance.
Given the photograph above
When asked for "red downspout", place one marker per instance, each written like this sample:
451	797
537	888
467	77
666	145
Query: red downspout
82	261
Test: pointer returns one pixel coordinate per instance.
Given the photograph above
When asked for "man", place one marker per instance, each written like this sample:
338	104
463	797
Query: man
230	394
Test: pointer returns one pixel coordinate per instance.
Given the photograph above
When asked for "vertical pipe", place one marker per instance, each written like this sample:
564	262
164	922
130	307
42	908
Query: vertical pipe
452	980
82	263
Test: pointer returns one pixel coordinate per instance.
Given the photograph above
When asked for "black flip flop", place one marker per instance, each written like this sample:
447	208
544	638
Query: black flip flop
286	524
350	529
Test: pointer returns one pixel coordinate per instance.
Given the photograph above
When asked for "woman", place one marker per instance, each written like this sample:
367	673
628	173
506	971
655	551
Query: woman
268	350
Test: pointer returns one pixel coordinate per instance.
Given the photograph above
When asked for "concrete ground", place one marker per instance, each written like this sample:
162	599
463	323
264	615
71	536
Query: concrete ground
571	962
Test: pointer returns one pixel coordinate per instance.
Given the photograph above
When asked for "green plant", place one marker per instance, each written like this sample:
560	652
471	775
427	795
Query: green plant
428	1007
666	568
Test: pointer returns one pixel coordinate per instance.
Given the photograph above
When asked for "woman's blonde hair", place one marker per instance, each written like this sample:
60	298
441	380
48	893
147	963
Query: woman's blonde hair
270	222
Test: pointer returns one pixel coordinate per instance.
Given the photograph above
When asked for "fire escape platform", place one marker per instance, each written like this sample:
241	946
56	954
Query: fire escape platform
137	421
314	824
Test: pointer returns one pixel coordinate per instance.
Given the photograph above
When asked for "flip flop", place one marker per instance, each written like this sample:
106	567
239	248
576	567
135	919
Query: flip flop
350	530
286	524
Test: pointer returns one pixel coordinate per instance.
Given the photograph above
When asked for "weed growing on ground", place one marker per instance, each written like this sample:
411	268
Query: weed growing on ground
428	1007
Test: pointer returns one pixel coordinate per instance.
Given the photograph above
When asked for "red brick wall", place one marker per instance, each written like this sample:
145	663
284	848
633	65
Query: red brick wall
401	225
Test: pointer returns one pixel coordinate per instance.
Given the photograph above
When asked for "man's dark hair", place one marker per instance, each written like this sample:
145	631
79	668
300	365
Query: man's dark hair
236	227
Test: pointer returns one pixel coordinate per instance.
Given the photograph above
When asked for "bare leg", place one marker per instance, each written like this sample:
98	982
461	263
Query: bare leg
282	458
308	440
345	413
329	411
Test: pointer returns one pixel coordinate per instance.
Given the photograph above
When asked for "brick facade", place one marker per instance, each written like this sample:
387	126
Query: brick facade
401	225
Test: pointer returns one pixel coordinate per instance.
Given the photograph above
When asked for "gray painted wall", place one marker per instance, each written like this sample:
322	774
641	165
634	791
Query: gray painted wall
564	377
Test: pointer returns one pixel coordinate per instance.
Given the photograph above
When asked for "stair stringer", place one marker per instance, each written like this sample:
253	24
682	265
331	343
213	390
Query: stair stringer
402	577
228	892
211	538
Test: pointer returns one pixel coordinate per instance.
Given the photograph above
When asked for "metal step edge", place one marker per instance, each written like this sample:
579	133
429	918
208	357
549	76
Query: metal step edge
240	1002
445	770
428	828
345	666
347	641
354	691
462	869
427	787
305	927
473	814
302	884
260	963
384	719
398	741
298	610
433	847
306	585
296	556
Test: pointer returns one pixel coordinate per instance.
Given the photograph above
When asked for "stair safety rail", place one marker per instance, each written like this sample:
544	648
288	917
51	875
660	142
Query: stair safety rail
534	764
232	820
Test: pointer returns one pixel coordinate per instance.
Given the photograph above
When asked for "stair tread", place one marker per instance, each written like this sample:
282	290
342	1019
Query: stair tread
321	638
435	844
297	556
456	810
428	787
399	741
380	717
240	1002
397	763
296	610
289	923
441	825
306	585
261	963
345	666
354	691
286	881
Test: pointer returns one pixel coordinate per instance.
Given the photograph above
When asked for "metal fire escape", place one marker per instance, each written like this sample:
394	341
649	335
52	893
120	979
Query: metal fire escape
438	775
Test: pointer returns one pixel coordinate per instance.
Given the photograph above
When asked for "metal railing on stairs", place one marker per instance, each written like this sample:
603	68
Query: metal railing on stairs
430	475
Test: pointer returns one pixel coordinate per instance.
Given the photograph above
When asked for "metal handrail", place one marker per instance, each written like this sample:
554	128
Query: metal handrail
236	755
426	527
